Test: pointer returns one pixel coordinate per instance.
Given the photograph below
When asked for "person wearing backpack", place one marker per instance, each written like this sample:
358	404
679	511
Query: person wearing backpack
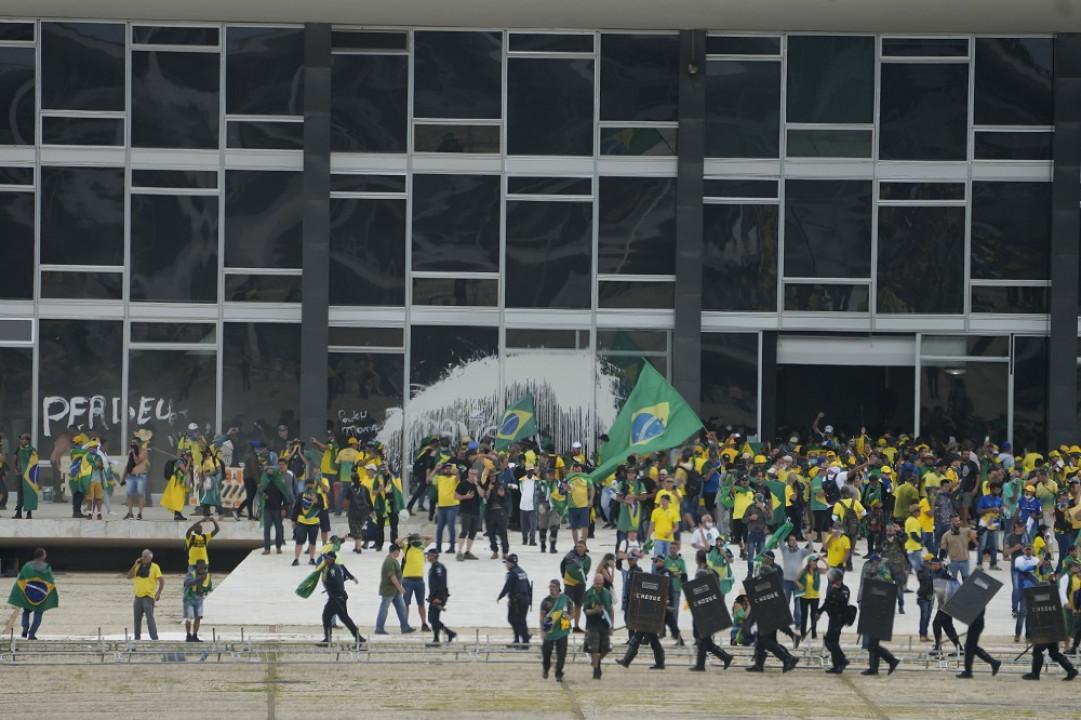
849	512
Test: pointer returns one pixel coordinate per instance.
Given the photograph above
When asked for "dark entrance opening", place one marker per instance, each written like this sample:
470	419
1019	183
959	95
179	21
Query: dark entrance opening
879	398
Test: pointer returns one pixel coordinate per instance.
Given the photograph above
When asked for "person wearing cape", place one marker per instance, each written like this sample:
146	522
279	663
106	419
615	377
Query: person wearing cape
35	592
719	560
79	472
555	622
274	495
175	495
212	476
26	470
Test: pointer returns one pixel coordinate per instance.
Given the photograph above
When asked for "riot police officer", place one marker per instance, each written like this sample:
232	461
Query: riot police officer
519	593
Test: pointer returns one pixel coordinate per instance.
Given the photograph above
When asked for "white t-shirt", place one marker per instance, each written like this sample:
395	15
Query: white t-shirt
528	487
703	539
625	546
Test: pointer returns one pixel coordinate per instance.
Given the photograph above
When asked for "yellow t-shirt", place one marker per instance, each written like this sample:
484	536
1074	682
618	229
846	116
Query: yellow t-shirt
664	523
413	562
196	544
838	548
912	525
445	486
927	520
579	491
1038	546
148	586
741	500
840	508
931	479
673	498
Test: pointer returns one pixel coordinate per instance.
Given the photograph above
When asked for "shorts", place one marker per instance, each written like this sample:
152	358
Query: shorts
579	518
136	485
193	609
598	640
304	532
470	526
576	593
324	521
95	492
822	520
414	587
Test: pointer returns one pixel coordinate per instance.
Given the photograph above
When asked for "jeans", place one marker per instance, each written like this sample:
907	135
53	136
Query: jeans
273	519
755	541
915	560
789	591
31	628
399	608
1022	609
988	544
136	485
925	615
1015	592
445	518
959	567
660	548
144	606
528	523
1065	544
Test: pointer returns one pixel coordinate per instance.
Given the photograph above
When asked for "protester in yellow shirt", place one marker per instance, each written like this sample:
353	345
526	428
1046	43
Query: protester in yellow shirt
663	520
914	539
838	548
148	586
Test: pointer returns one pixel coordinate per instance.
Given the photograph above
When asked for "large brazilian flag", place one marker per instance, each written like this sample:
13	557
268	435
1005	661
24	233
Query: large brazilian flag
655	417
28	461
35	588
518	422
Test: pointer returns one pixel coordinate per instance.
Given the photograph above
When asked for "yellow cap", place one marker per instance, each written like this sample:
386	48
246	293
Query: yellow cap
759	459
887	470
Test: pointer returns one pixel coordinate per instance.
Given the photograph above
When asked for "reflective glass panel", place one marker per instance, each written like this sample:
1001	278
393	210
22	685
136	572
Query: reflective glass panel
743	45
632	294
368	98
262	135
17	245
639	77
82	66
741	188
743	108
921	259
264	71
637	231
185	332
367	183
1013	81
456	222
925	47
638	141
167	390
263	212
174	248
739	265
174	35
263	288
551	43
923	112
827	228
1029	391
455	291
82	216
16	397
831	79
826	298
82	131
549	107
549	250
367	336
367	252
17	96
625	370
549	186
730	382
82	285
436	350
998	300
966	345
367	40
921	191
17	31
457	74
829	143
261	377
552	339
174	178
175	99
361	388
456	138
963	399
632	341
1011	230
1013	145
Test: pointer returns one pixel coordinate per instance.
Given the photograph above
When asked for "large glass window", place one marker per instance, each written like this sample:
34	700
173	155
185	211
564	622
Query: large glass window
361	389
17	245
79	380
368	98
82	66
367	252
549	251
827	228
17	96
1013	81
174	248
921	259
923	111
260	375
730	381
16	392
263	213
639	77
82	216
1011	230
637	226
436	350
963	399
174	99
167	389
456	222
264	71
1029	391
457	74
831	79
739	268
743	108
549	106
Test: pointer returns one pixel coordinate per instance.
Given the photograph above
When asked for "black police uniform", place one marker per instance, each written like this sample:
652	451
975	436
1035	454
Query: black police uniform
334	577
706	645
835	606
519	593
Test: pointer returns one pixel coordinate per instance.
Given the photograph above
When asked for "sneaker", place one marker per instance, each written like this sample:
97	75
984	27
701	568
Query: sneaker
980	568
459	557
695	668
656	667
596	673
833	671
425	627
129	516
995	567
755	668
451	635
544	674
267	551
381	632
995	666
900	611
406	631
623	662
495	556
790	664
470	556
296	562
1070	675
559	677
543	548
311	561
578	630
279	549
727	660
139	516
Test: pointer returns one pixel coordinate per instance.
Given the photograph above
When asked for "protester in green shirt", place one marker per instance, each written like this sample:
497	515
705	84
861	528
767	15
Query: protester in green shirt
391	592
598	611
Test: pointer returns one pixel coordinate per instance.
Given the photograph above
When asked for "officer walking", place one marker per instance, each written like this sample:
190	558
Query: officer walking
437	595
519	593
836	607
705	643
334	577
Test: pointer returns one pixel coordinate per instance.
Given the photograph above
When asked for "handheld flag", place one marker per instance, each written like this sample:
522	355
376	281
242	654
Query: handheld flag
519	421
655	417
307	585
773	541
35	588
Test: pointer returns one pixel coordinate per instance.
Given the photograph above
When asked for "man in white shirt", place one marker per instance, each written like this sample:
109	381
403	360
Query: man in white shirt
527	505
705	535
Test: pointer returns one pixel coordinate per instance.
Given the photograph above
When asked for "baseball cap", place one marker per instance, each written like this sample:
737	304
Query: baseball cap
431	550
575	445
512	558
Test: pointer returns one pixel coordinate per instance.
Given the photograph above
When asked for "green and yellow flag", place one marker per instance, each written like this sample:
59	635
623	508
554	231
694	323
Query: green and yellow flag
28	461
655	417
518	422
307	585
35	588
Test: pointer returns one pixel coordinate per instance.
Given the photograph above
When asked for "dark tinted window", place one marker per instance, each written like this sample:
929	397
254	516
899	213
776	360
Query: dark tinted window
456	222
925	47
743	45
633	341
361	388
549	107
174	178
1013	81
649	295
1011	230
826	298
637	233
263	212
82	216
260	375
13	175
923	113
80	380
173	333
1030	391
367	252
17	31
456	138
360	40
17	96
739	268
921	191
547	42
264	135
263	288
457	74
174	248
368	97
743	107
638	141
17	233
549	246
367	336
730	381
264	71
963	400
82	131
82	285
367	183
456	292
557	339
639	77
82	66
741	188
921	259
174	99
827	228
831	79
829	143
436	350
1013	146
17	393
151	35
549	186
998	300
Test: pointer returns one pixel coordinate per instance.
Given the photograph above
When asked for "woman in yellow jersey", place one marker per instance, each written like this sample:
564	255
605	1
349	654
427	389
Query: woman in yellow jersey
809	592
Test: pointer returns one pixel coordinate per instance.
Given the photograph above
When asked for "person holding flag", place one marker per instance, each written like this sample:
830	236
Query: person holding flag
274	496
334	577
35	592
305	517
519	422
26	470
555	625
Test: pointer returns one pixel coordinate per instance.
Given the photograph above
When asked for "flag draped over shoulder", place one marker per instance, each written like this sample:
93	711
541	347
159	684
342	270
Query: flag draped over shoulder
35	588
518	422
655	417
28	461
270	477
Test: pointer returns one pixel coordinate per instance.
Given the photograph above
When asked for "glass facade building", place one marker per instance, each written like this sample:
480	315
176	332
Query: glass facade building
478	213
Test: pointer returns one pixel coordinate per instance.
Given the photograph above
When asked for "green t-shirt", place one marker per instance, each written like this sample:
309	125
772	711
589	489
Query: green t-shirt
818	495
391	569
